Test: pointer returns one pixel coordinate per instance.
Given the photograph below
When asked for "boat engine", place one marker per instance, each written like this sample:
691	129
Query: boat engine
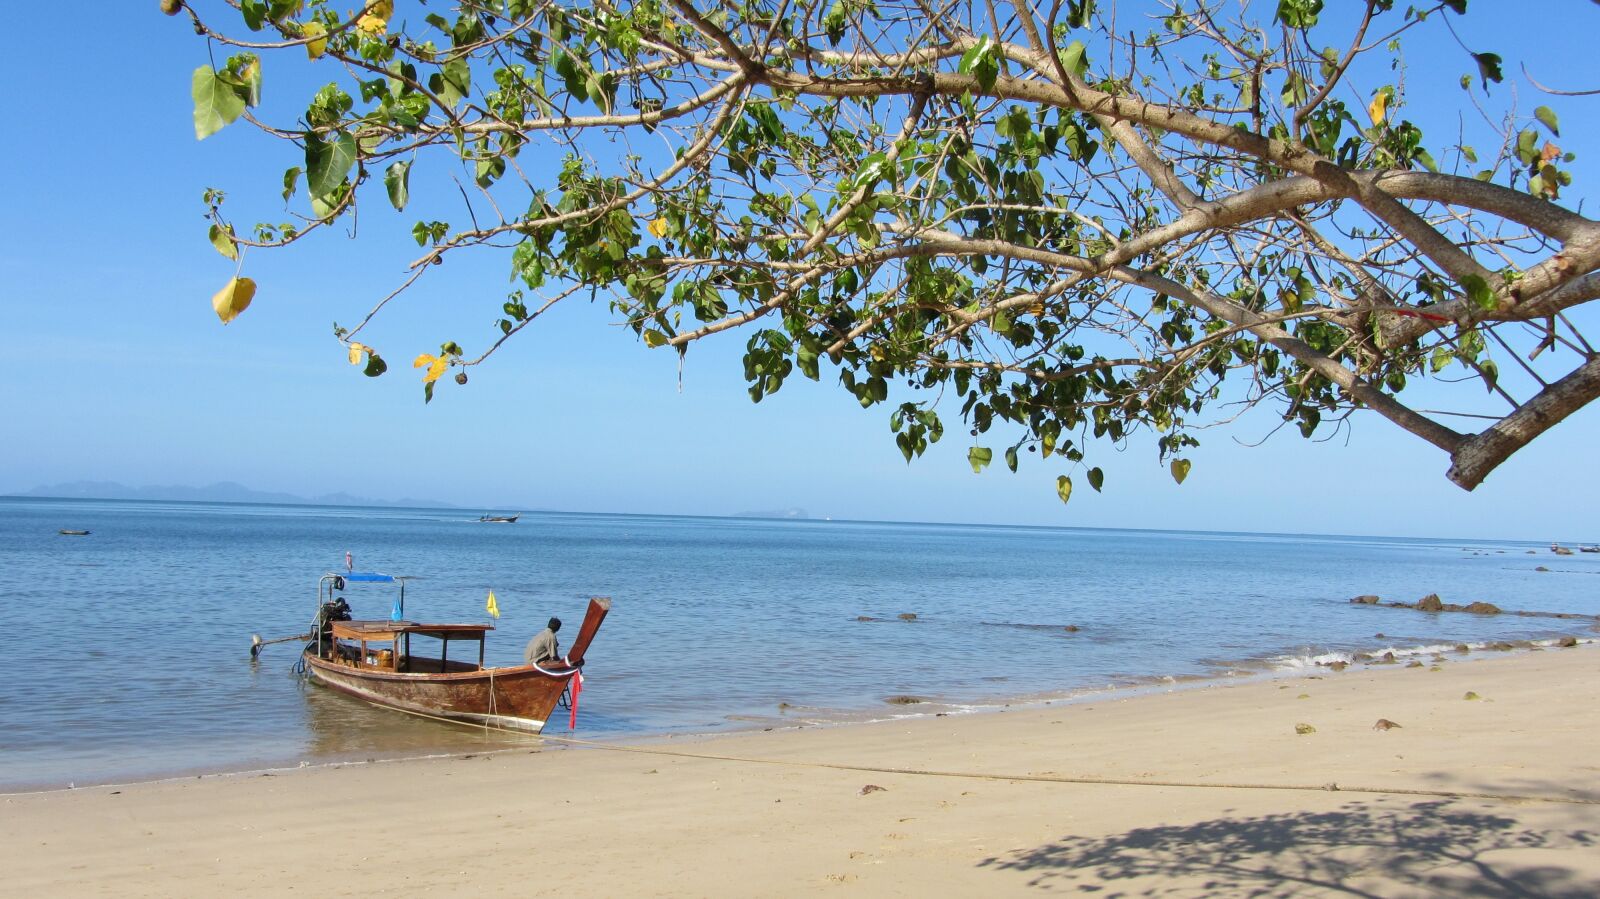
334	610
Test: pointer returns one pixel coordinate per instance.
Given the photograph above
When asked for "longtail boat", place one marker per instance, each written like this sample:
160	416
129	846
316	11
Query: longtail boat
373	660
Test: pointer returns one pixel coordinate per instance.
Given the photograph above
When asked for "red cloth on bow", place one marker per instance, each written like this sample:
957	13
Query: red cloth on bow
576	686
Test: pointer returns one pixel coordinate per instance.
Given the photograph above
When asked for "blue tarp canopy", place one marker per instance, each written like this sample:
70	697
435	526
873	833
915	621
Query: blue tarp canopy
368	577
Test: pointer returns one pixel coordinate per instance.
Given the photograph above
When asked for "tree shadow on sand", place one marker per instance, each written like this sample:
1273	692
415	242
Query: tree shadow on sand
1428	848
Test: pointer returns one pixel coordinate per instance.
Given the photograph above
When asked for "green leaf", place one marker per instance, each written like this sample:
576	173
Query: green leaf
328	162
1458	6
981	62
397	178
1064	488
488	171
834	22
1299	13
1180	469
1488	68
979	457
1096	478
375	365
222	239
1491	373
216	102
654	338
322	207
1478	292
255	13
1547	118
455	80
291	179
1074	60
1011	459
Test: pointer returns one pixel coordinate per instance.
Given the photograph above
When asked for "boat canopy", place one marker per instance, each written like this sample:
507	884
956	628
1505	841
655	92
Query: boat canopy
369	577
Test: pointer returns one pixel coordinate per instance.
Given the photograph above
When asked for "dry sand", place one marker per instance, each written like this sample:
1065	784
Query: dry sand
641	823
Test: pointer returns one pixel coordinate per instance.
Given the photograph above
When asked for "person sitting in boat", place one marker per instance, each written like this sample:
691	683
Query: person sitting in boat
543	648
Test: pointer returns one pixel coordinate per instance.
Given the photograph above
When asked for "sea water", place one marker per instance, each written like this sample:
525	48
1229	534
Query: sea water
124	655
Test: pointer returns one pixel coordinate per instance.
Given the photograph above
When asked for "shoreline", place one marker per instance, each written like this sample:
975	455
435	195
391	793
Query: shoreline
1254	669
1082	795
1264	667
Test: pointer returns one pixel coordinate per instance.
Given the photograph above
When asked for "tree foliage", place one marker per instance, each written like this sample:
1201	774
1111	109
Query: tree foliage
1061	223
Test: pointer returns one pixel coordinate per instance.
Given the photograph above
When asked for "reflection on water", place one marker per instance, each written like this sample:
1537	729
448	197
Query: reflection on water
343	728
717	623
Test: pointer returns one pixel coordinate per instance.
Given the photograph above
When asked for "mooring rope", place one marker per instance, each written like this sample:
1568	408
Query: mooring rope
1036	778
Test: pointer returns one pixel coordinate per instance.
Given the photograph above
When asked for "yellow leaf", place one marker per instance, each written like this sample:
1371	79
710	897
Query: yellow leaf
356	349
1180	469
233	298
318	34
659	227
436	366
1378	109
383	9
373	25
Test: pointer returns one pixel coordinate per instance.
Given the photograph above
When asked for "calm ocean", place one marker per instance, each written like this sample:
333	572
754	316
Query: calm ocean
125	654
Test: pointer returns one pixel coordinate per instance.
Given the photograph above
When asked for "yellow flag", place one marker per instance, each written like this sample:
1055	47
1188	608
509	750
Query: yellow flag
492	606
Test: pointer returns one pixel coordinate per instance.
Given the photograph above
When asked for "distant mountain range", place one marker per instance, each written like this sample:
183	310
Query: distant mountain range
221	492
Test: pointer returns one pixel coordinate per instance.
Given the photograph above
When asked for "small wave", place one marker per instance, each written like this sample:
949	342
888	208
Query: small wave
1323	659
1311	660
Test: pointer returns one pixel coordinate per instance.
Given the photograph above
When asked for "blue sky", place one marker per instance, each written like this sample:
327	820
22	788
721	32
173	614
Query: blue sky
120	371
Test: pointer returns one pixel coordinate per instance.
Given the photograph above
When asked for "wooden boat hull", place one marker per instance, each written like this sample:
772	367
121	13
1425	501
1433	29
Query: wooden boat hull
517	698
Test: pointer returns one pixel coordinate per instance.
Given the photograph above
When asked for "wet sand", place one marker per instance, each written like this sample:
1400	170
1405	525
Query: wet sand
1206	790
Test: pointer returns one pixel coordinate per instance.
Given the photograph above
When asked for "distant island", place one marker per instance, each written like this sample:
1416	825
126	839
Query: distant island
221	492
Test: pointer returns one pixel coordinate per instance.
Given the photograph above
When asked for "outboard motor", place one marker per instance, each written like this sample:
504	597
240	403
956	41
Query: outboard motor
335	610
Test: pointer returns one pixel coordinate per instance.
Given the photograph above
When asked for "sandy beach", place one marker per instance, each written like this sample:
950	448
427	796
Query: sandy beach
1490	785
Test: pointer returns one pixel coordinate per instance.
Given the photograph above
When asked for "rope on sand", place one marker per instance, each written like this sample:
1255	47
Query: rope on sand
1043	778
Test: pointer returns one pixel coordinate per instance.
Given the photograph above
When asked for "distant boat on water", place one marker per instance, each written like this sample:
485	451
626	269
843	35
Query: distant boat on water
503	519
67	532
